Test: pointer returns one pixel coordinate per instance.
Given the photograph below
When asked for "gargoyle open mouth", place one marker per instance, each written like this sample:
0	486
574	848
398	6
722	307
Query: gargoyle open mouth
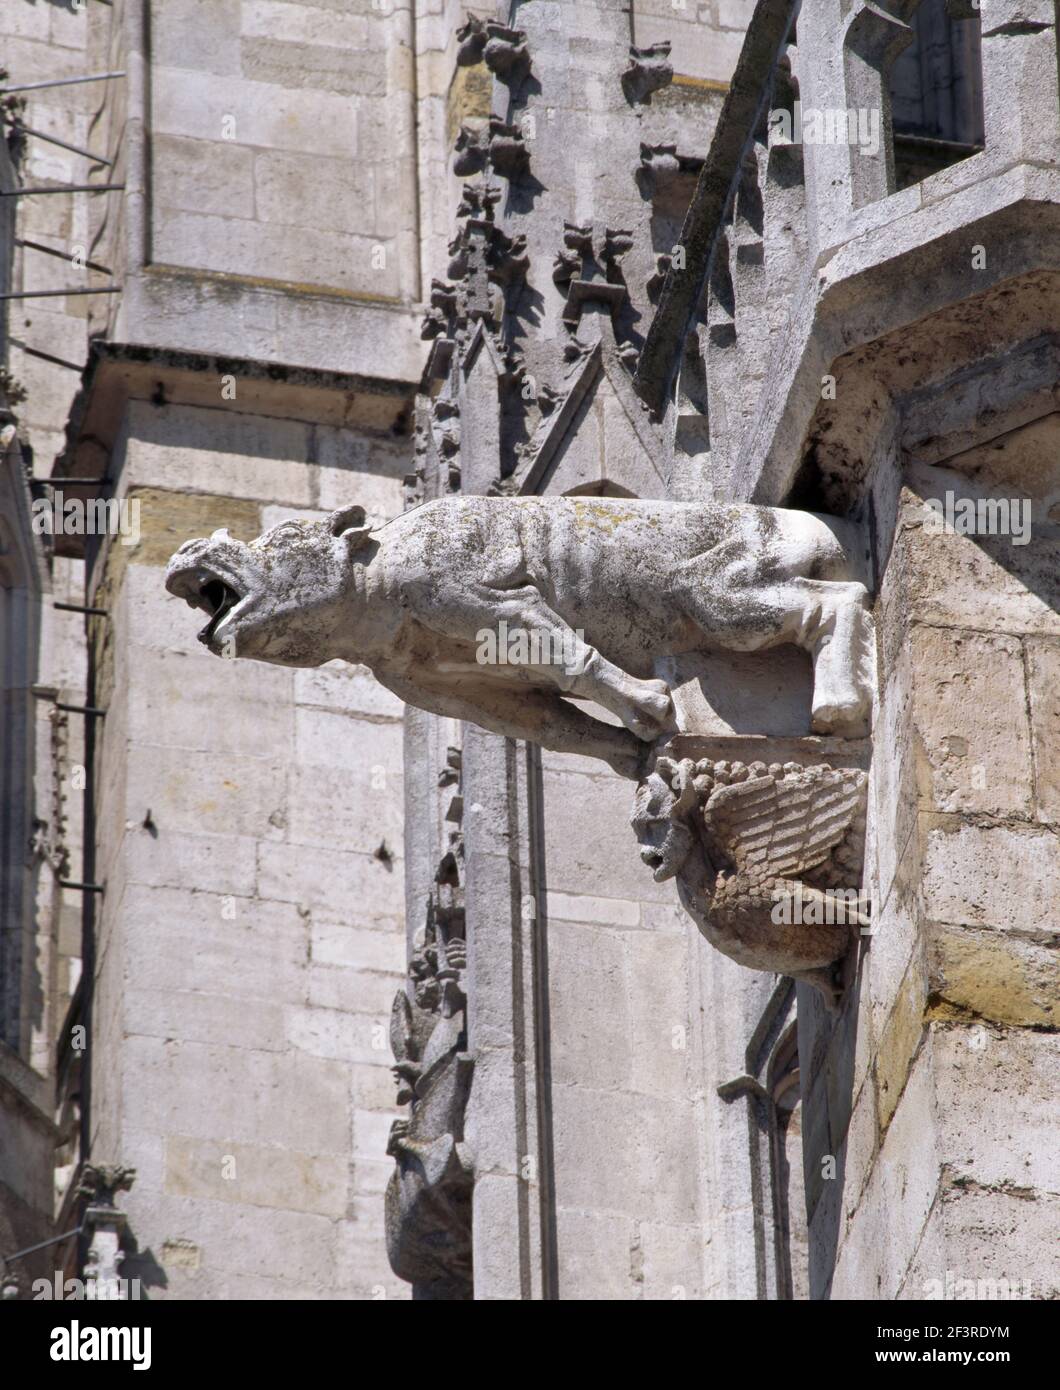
216	598
205	589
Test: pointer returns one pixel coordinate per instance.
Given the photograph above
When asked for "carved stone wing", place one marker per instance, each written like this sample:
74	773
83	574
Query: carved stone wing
782	827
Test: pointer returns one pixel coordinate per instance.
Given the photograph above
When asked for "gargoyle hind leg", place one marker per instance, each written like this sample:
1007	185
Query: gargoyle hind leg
839	638
576	668
528	714
735	607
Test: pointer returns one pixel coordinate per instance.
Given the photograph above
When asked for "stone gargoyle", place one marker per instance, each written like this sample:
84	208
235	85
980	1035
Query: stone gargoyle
764	857
600	588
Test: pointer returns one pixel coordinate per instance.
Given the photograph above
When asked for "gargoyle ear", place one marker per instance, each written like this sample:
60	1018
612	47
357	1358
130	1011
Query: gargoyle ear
221	534
351	523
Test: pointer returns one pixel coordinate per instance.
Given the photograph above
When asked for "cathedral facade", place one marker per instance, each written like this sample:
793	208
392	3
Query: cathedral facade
319	983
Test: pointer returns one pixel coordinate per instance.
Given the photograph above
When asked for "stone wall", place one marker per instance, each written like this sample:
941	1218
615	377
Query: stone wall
940	1118
252	932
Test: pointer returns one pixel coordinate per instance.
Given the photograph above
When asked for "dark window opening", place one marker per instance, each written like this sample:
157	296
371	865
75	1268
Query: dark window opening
936	88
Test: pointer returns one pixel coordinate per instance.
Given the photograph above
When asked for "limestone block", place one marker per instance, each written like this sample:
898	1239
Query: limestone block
997	1101
1001	876
206	1018
299	23
266	115
671	1258
287	186
165	708
580	907
317	257
328	881
734	14
371	1086
281	1179
335	943
891	945
596	1255
970	717
983	583
165	1084
371	1176
1043	686
179	939
994	975
661	1014
741	692
360	1263
188	449
337	808
334	1036
217	177
652	1174
995	1236
380	496
371	1131
497	1275
860	1263
165	519
197	35
670	918
579	843
929	1262
899	1041
909	1168
233	1239
352	991
859	1148
591	1018
199	795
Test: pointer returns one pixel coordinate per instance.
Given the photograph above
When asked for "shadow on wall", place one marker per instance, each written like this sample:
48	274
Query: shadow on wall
827	1049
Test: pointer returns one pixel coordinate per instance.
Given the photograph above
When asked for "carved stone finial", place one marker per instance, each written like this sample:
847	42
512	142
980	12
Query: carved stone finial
100	1182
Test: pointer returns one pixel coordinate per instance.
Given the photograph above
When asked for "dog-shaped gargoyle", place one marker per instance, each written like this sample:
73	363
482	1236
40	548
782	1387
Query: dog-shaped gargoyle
507	612
766	858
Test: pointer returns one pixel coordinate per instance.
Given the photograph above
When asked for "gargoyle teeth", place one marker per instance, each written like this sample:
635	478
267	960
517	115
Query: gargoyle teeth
216	598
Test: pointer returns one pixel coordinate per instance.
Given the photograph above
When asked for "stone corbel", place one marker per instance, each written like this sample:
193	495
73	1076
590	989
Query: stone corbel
591	274
503	50
763	833
649	71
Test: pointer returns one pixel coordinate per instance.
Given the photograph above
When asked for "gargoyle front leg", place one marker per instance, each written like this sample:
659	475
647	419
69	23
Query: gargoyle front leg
524	713
571	664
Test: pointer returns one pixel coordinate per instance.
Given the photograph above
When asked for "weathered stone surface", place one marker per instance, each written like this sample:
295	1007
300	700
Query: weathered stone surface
1043	688
993	975
1001	876
970	721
